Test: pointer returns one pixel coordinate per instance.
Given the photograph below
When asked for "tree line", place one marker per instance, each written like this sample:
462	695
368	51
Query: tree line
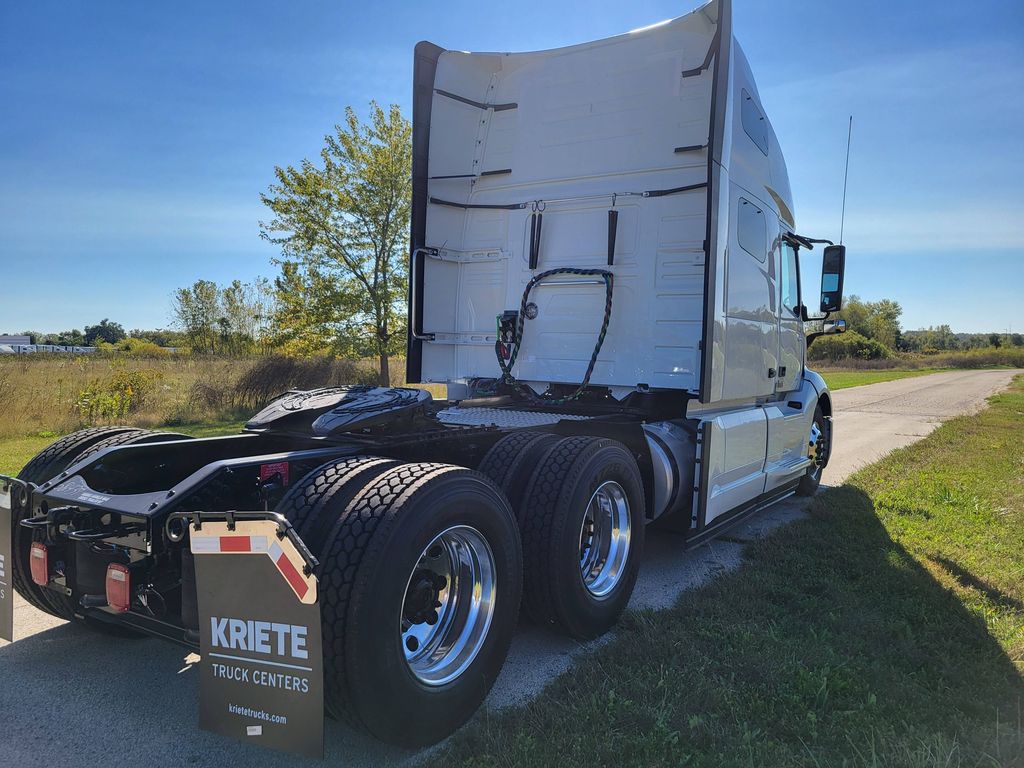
105	332
874	331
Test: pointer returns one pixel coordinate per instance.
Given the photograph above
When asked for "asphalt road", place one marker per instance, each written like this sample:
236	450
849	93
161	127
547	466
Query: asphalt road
872	420
70	697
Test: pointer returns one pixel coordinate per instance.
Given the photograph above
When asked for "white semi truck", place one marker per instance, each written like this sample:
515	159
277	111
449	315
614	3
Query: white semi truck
605	272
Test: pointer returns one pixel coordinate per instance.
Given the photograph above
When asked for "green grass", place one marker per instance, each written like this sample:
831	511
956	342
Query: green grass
885	630
844	379
16	452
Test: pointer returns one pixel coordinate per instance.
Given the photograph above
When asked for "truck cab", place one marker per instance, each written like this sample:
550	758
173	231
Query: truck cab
637	176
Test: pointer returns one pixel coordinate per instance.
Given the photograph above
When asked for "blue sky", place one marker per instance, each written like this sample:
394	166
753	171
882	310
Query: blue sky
135	138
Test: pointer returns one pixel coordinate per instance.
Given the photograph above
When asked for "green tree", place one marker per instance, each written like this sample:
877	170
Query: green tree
195	310
939	338
106	331
343	229
233	319
246	311
72	338
878	320
159	336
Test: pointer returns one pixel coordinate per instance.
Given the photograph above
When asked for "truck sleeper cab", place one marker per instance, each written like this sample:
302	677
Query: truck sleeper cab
605	273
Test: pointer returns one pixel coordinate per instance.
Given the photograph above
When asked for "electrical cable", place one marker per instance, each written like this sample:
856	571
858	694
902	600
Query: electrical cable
517	338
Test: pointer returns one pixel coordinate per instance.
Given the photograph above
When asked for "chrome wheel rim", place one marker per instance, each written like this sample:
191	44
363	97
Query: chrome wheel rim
604	539
816	450
448	605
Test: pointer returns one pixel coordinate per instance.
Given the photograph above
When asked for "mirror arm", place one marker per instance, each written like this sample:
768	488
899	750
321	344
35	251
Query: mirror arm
804	242
810	337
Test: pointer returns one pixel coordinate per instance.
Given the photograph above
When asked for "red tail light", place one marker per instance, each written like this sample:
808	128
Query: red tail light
39	564
119	587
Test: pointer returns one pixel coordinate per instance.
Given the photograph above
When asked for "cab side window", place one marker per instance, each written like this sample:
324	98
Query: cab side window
790	280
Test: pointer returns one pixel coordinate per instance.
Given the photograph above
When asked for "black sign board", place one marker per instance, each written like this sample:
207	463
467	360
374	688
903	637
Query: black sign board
6	564
261	674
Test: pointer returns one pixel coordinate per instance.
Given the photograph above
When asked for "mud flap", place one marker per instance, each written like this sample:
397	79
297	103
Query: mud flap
261	668
7	489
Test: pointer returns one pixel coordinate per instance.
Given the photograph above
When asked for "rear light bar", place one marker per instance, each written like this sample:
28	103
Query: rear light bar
119	587
39	563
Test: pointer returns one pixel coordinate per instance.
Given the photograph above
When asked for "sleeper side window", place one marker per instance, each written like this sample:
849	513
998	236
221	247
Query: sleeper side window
752	230
753	122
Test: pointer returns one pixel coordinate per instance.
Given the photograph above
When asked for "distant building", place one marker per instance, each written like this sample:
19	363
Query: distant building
15	340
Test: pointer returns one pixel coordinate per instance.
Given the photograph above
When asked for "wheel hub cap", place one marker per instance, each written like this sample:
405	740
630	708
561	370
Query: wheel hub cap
817	448
813	445
448	605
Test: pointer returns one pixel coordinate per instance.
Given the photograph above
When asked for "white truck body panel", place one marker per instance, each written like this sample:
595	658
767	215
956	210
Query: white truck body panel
578	131
706	299
591	121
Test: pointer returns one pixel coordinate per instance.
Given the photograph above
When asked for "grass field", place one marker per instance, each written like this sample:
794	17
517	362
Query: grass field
885	630
17	452
844	379
51	395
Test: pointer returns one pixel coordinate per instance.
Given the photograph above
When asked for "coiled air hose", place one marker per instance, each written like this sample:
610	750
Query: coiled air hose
506	366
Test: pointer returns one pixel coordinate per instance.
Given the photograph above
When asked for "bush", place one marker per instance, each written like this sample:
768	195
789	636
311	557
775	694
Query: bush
272	376
110	400
847	345
141	348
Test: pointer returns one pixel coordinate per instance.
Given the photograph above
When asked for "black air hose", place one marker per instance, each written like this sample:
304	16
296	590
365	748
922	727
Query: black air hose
506	367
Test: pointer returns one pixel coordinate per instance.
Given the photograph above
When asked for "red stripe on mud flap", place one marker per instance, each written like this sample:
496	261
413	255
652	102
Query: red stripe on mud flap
284	565
235	544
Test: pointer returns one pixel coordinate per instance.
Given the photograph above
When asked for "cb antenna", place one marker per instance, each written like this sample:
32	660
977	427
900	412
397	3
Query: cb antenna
846	175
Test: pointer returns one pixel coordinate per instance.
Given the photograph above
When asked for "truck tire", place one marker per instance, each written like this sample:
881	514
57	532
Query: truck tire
45	466
819	447
419	546
48	463
583	535
512	460
314	504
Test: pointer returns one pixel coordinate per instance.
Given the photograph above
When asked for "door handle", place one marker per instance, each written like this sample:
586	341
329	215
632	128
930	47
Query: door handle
771	373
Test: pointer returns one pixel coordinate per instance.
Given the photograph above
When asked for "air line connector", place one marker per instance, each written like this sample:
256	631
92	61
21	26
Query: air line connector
507	322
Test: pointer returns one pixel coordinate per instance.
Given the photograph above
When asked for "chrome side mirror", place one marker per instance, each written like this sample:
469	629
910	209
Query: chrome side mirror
835	326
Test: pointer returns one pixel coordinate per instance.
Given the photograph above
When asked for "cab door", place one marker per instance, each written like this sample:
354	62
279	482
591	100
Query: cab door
788	414
792	343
